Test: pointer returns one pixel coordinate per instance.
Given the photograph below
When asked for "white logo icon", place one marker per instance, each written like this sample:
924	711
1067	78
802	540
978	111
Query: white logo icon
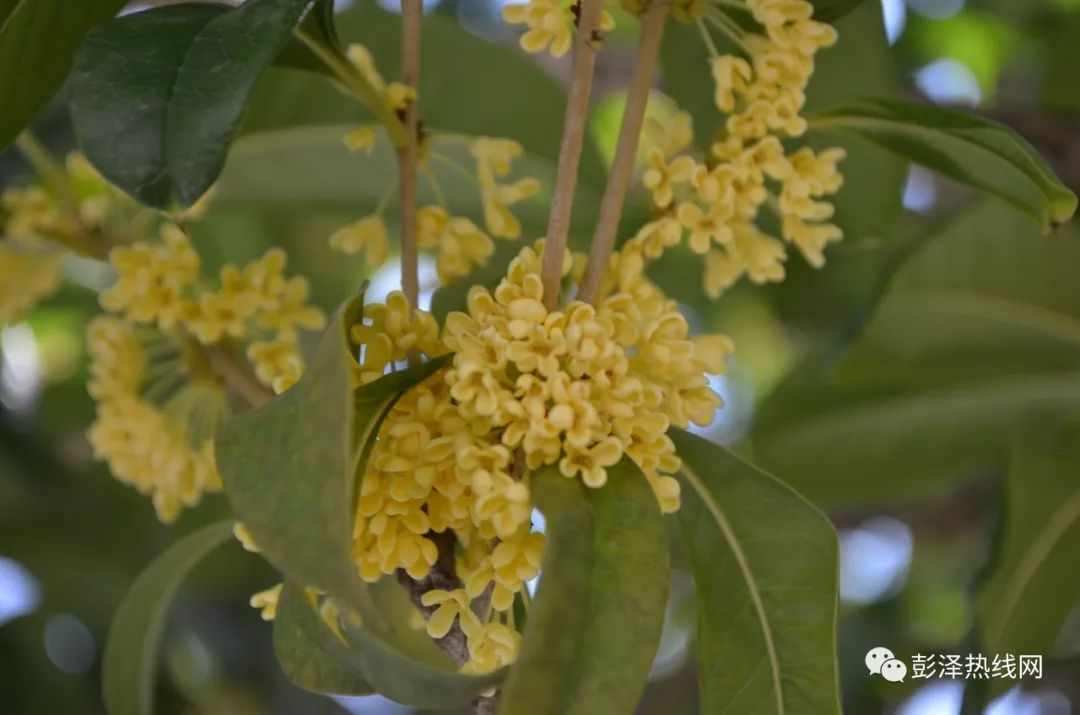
876	657
894	670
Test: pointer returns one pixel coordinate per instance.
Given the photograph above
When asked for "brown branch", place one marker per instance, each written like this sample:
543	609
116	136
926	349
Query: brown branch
586	45
443	577
408	155
236	375
622	169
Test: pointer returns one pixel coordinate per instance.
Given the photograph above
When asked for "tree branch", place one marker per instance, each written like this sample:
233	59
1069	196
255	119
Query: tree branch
586	45
235	374
408	155
622	169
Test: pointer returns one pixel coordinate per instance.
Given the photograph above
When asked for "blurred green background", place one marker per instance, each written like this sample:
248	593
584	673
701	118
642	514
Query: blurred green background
923	388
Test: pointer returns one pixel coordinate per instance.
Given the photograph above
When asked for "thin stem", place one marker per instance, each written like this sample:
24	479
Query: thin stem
713	52
436	187
455	166
728	26
622	169
412	12
357	85
586	43
46	165
226	365
84	240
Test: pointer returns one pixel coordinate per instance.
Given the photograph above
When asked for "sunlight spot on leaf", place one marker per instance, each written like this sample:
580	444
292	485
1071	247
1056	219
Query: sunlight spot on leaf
920	195
949	81
895	15
936	9
20	368
69	644
874	560
371	705
941	698
20	592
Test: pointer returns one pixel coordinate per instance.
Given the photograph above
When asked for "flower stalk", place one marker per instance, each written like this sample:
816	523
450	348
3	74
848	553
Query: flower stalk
409	154
622	168
586	45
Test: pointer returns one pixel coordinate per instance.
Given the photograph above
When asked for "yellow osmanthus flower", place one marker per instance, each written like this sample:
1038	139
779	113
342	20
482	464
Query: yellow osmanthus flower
458	243
361	139
551	24
367	235
26	276
717	202
36	226
267	601
158	399
142	444
493	161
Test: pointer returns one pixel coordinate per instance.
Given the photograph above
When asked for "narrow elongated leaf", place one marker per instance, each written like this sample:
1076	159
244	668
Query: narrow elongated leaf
288	469
38	39
309	652
766	567
157	97
1035	584
907	402
130	661
974	151
595	624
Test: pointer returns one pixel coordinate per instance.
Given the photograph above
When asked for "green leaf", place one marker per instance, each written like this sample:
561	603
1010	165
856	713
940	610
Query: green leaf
38	39
288	469
974	151
1034	583
833	10
594	626
130	660
156	100
766	566
309	168
309	653
288	466
978	333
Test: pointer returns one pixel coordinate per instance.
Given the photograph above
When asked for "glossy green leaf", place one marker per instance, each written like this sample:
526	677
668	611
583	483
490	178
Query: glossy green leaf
38	39
1034	583
594	626
974	151
288	469
156	100
288	466
978	332
308	651
130	661
766	568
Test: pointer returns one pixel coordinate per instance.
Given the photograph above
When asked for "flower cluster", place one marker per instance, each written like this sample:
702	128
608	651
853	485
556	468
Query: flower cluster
159	398
35	227
144	445
579	388
717	202
458	243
